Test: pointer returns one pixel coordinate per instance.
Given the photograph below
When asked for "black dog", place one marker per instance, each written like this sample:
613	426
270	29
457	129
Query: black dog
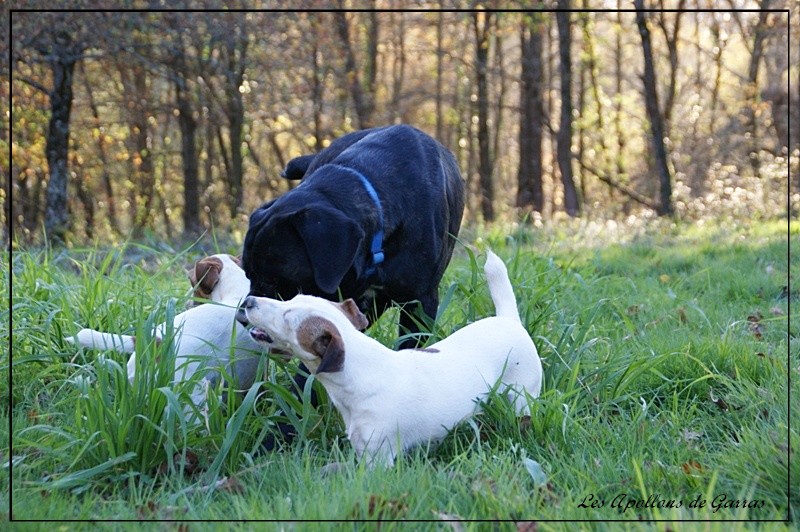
374	219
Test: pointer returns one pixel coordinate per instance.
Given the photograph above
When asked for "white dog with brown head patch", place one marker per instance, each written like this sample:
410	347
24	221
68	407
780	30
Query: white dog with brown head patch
394	400
205	335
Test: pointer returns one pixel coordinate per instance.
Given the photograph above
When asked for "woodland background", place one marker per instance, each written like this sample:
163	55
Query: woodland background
144	123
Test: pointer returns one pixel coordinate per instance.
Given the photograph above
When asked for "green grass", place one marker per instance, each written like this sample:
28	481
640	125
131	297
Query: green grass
665	359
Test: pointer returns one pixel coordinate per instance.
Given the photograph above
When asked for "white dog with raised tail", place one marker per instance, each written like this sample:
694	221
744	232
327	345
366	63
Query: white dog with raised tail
394	400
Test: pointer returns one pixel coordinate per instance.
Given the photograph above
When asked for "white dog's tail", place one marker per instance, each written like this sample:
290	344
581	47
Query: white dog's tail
502	293
92	339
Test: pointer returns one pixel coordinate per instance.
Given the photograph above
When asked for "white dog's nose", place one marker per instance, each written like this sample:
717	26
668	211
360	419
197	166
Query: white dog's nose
241	314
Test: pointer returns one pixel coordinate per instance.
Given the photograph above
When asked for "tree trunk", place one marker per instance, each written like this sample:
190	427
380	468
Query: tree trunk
502	89
550	53
580	155
208	204
188	128
143	148
237	53
719	44
134	83
235	124
363	105
530	194
594	87
87	200
564	140
795	144
317	86
665	207
191	179
398	67
372	55
671	38
56	218
101	150
5	177
620	157
439	74
751	89
481	22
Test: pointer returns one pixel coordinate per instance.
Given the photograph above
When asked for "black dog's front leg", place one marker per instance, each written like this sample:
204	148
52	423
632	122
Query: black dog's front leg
287	430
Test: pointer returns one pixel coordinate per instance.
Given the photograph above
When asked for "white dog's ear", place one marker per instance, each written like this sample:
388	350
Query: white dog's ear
356	317
321	338
205	276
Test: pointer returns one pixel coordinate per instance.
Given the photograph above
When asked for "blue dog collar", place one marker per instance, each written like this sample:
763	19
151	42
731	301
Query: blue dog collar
376	247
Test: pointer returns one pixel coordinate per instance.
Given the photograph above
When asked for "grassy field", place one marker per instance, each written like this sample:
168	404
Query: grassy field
664	398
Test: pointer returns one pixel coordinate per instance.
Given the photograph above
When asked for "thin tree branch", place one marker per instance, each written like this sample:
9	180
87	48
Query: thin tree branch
35	84
632	194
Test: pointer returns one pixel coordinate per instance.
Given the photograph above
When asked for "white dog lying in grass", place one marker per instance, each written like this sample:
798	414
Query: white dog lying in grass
394	400
203	333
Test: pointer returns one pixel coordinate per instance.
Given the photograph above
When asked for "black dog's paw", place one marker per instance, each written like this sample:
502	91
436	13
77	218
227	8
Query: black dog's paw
274	442
297	167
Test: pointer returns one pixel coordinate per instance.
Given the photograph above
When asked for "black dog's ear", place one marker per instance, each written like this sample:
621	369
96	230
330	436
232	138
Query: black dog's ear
297	167
332	241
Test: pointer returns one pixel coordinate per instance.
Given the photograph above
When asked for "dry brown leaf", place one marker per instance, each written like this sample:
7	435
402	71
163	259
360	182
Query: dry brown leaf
147	510
692	467
755	326
190	466
378	507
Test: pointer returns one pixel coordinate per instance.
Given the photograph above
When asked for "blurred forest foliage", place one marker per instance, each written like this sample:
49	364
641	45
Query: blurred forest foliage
136	123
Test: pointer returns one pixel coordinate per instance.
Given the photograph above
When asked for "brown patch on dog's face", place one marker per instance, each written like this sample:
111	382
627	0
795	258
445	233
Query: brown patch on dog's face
205	276
356	317
321	337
